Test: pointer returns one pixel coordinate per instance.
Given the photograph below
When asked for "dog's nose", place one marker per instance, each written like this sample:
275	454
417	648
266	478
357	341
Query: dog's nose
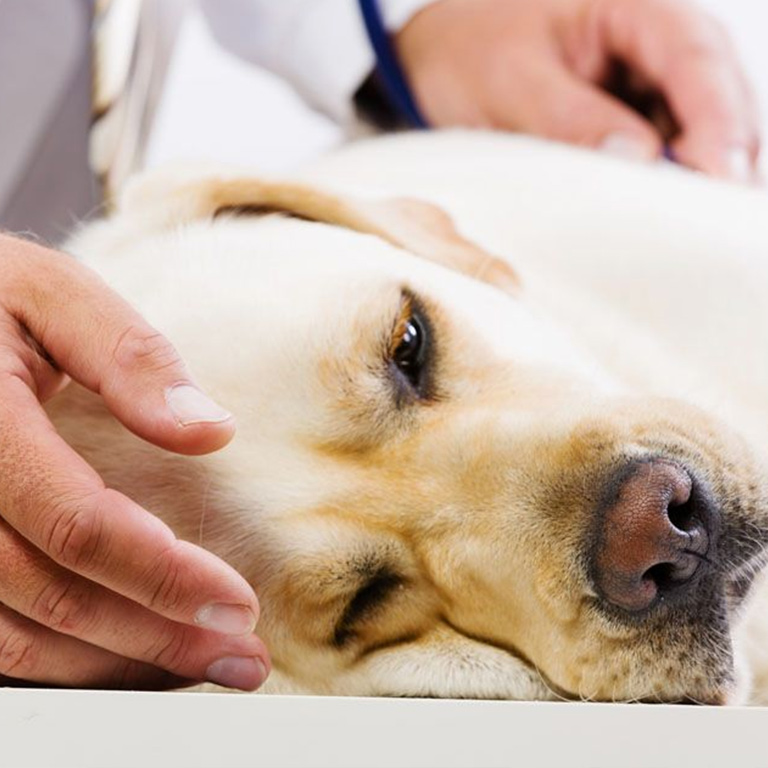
653	538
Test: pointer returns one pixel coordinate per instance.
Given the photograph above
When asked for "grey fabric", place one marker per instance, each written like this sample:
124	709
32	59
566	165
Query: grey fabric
45	112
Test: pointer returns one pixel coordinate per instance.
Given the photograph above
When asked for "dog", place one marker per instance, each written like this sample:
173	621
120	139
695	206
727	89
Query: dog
501	415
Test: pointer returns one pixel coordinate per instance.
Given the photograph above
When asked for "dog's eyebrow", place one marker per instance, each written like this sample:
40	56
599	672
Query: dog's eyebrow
379	585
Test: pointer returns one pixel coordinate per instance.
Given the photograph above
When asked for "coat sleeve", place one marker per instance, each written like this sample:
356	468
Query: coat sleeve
319	46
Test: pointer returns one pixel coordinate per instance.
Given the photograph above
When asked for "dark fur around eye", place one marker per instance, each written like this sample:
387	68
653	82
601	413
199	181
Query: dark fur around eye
372	595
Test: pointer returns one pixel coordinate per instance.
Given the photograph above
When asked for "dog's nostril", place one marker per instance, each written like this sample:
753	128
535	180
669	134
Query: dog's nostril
682	516
667	576
652	538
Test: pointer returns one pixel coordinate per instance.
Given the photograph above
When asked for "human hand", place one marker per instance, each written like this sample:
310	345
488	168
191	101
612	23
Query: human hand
94	590
545	67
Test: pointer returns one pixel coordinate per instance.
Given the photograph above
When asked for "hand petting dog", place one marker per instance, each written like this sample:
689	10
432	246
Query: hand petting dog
94	590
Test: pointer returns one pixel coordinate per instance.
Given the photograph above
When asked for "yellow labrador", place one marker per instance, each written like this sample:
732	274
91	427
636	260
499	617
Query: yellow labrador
527	475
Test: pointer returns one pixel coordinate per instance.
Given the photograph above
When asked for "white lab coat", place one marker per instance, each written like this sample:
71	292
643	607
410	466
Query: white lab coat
320	46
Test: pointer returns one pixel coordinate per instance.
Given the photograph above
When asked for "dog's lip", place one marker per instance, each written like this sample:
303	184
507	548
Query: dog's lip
740	578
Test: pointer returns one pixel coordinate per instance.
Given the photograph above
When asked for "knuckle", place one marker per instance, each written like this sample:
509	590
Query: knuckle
62	606
19	654
168	593
75	537
141	348
171	652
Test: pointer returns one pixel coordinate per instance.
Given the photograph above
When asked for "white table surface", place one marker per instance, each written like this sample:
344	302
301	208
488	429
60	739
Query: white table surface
87	729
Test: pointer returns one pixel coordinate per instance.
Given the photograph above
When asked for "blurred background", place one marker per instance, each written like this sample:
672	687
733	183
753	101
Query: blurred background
219	108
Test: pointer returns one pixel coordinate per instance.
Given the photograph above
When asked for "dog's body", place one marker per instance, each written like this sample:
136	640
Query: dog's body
442	525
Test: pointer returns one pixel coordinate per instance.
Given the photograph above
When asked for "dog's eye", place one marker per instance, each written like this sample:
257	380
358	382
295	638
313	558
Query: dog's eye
368	599
410	355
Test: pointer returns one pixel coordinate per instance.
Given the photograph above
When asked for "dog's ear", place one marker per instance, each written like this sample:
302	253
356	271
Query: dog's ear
164	200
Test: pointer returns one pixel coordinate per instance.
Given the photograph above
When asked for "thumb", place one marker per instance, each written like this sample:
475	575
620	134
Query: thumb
95	336
562	107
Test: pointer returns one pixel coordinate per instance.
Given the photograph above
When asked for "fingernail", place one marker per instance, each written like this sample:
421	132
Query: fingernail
227	619
190	406
237	672
626	146
739	165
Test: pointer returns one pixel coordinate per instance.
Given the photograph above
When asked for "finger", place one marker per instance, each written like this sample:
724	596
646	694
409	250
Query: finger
35	587
688	57
722	141
99	340
60	505
30	653
550	101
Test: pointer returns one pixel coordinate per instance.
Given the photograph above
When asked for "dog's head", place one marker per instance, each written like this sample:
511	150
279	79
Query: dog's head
434	490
